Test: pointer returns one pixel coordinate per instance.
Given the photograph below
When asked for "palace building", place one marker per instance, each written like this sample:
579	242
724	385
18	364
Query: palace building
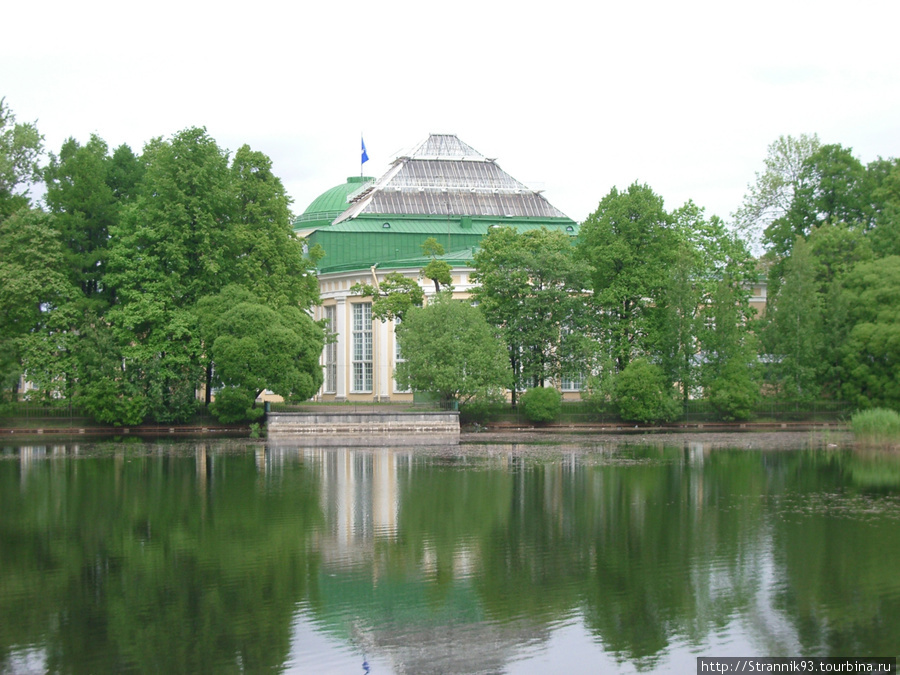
368	228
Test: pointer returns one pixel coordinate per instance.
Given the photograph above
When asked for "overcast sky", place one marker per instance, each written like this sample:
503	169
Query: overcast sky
570	97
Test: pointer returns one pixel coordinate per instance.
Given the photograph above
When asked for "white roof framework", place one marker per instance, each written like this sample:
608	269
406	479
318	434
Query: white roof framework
444	176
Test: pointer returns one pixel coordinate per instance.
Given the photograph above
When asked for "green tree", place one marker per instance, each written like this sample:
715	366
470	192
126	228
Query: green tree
20	150
630	243
831	189
254	347
837	248
531	291
124	173
392	297
682	322
438	271
177	239
270	260
451	351
33	286
541	404
175	244
792	334
103	386
871	353
85	210
642	394
771	196
885	236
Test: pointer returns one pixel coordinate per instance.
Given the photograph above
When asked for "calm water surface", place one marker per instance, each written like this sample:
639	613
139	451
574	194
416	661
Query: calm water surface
240	557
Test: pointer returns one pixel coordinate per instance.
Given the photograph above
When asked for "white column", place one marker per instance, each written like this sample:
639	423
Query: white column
343	346
382	359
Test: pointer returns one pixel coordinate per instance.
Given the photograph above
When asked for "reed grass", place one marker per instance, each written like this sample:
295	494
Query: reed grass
876	426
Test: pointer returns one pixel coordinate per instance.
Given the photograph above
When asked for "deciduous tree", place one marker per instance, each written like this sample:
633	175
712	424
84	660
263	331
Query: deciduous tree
175	243
531	290
771	196
792	334
630	243
20	150
450	350
269	260
830	189
33	285
393	296
871	353
85	210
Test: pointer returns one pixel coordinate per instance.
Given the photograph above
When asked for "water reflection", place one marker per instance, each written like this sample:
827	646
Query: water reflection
215	557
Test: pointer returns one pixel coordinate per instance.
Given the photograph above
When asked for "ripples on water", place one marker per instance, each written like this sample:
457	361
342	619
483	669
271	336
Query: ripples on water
215	557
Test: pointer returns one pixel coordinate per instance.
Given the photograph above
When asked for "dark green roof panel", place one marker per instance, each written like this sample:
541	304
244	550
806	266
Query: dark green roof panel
332	203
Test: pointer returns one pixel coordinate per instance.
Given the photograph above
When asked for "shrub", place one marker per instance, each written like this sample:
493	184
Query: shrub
483	406
234	405
541	404
877	425
734	395
642	394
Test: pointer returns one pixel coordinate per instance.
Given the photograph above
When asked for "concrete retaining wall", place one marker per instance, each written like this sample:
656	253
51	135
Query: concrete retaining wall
423	427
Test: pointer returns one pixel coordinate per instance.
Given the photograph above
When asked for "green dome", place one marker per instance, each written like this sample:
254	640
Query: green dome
330	204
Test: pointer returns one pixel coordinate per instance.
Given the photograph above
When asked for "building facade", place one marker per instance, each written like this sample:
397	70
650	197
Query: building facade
368	228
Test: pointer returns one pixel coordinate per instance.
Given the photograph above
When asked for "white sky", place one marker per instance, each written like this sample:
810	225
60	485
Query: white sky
572	97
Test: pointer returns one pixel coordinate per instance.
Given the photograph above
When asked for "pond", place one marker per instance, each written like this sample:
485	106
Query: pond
238	556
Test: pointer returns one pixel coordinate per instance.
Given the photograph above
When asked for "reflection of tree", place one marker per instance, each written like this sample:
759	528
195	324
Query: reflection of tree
839	548
637	549
127	564
168	563
447	514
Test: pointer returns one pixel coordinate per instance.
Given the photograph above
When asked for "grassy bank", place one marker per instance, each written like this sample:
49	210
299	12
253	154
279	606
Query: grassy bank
878	426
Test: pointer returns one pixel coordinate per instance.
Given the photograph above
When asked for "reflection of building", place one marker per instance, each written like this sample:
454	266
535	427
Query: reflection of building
368	228
379	586
360	497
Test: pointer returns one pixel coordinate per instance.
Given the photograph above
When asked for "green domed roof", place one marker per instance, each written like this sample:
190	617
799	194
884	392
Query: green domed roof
330	204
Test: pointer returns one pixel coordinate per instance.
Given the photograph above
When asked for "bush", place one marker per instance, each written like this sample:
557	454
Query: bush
234	405
482	407
541	404
642	394
878	425
111	402
734	395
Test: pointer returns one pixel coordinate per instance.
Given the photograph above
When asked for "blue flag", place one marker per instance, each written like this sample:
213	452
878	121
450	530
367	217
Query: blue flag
365	157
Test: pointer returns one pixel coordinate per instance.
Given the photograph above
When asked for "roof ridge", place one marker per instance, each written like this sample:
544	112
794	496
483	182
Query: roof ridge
446	146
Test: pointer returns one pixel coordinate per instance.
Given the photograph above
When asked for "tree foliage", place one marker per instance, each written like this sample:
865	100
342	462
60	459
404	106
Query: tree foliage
792	335
871	353
642	394
771	196
392	297
450	350
21	146
630	243
254	348
541	404
86	209
120	265
437	271
33	285
831	188
270	260
530	290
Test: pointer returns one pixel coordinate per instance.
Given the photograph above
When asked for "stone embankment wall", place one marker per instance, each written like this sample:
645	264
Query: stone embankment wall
418	427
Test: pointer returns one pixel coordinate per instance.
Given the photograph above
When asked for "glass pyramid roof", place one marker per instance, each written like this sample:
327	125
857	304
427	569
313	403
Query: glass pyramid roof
444	176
